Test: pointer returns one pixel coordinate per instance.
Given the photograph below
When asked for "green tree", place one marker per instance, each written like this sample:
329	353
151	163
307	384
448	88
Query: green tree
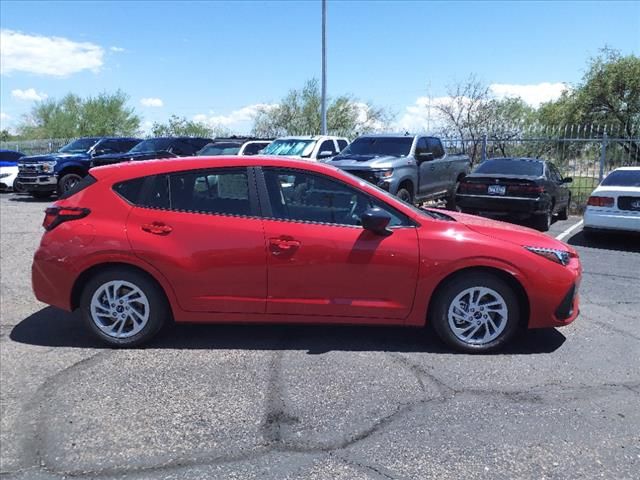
181	127
299	113
5	135
73	116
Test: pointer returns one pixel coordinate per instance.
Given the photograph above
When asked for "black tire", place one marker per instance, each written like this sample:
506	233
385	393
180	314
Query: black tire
405	195
451	198
17	187
158	312
564	213
67	182
41	195
542	221
439	317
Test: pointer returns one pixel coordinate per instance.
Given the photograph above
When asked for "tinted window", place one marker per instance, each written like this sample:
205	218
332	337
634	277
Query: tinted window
155	192
623	178
508	166
301	196
342	144
555	174
213	191
221	148
380	146
126	145
422	146
153	145
130	190
435	146
327	146
82	145
254	148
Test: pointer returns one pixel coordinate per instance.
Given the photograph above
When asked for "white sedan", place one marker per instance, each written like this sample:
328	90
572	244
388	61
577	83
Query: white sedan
615	204
8	174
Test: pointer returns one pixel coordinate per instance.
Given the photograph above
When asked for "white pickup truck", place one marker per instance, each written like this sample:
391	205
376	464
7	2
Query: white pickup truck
310	147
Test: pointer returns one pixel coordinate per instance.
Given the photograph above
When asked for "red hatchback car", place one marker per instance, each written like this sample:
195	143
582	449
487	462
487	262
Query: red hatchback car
262	239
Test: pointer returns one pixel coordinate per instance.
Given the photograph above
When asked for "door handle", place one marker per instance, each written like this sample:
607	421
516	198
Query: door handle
157	228
282	245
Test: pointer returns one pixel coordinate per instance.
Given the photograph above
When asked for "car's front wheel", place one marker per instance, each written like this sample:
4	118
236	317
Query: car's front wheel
476	312
123	308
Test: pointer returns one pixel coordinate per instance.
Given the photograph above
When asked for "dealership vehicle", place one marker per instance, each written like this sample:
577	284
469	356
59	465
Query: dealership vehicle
43	175
155	148
9	169
615	204
310	147
233	146
525	188
415	168
264	239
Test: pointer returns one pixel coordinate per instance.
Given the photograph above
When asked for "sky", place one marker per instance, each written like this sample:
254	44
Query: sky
218	62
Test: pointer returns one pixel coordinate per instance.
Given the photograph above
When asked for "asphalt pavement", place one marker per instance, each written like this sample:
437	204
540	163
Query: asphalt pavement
302	402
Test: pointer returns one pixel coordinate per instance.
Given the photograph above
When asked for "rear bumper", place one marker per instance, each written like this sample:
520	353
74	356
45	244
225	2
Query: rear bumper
502	205
620	220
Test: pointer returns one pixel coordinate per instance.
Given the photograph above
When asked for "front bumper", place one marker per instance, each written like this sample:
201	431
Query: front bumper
492	205
38	182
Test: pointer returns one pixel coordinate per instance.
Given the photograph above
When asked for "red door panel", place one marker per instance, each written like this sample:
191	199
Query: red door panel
215	263
340	271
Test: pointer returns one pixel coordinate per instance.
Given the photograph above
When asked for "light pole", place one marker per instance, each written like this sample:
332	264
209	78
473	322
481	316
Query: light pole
324	68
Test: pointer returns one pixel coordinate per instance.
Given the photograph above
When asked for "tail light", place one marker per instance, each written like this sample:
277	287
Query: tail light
466	187
601	201
526	189
54	216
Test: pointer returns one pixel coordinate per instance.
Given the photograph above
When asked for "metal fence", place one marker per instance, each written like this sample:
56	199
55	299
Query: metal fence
587	153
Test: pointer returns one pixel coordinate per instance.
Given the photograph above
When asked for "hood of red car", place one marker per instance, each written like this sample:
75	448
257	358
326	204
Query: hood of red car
509	232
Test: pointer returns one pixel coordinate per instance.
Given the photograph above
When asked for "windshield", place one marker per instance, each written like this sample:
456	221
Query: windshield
215	149
82	145
379	146
298	147
622	178
507	166
152	145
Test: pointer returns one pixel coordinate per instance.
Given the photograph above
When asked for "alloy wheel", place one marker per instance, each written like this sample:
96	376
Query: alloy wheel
119	309
478	315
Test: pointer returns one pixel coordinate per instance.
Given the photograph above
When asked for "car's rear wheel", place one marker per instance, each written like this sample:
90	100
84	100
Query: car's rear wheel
542	221
67	182
124	308
477	312
564	213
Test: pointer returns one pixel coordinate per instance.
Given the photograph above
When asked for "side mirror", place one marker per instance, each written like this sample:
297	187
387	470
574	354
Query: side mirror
325	154
376	221
567	180
424	157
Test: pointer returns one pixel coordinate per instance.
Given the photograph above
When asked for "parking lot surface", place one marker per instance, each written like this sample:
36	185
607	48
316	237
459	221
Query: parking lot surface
293	402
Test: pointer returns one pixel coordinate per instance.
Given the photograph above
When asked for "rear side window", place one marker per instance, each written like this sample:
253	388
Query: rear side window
211	191
130	190
254	148
78	187
435	146
342	144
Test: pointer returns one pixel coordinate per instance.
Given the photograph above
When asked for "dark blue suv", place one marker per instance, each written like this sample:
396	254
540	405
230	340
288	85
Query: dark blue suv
43	175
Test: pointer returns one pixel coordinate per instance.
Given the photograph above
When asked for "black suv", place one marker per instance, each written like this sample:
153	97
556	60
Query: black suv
161	147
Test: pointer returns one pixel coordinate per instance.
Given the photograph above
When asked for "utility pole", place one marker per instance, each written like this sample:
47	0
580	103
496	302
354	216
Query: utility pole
324	67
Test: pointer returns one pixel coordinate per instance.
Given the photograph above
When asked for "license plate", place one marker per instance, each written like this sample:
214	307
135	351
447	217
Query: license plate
497	189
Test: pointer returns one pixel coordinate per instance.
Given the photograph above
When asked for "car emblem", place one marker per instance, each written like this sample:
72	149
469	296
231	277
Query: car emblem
635	204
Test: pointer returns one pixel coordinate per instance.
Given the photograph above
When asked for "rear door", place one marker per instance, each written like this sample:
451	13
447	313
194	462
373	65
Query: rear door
202	230
442	166
561	189
322	263
428	176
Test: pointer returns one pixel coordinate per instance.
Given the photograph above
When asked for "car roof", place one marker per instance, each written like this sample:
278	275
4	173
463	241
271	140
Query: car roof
128	170
520	159
309	137
633	169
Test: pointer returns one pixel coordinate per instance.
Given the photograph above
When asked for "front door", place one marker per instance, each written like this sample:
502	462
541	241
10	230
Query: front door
202	231
321	262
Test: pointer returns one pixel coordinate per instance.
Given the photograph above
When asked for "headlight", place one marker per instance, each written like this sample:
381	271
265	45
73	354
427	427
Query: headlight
48	167
386	173
559	256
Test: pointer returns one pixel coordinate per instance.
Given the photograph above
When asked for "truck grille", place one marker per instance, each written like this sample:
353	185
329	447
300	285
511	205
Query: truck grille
29	168
365	175
629	203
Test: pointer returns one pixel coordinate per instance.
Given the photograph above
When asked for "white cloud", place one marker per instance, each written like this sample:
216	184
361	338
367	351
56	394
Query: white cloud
151	102
56	56
4	121
237	119
422	116
29	94
116	49
534	94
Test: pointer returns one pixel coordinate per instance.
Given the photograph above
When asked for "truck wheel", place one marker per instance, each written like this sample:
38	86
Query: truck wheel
67	182
542	221
405	195
17	187
451	198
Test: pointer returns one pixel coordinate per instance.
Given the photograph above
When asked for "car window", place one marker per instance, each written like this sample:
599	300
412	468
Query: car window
434	145
254	148
421	145
342	144
555	174
130	190
327	146
301	196
126	145
623	178
224	192
511	166
155	192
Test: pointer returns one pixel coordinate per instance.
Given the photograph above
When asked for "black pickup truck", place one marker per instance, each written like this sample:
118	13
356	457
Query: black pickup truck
161	147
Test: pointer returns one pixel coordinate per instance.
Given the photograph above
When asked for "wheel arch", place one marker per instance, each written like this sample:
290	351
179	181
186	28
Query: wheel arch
73	168
407	182
83	278
511	280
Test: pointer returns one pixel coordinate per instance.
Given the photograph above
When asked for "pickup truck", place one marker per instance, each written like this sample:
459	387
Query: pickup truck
43	175
155	148
415	168
307	147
